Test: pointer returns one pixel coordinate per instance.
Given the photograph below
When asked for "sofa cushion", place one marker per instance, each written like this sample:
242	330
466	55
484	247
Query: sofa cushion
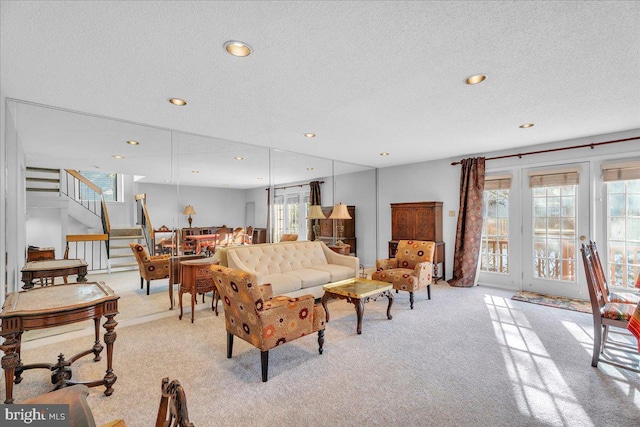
337	272
310	277
281	283
280	257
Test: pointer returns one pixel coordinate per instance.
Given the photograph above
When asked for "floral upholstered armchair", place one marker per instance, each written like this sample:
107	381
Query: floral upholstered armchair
254	315
410	270
151	267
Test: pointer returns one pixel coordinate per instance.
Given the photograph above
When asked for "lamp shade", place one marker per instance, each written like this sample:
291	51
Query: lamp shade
340	212
188	210
315	212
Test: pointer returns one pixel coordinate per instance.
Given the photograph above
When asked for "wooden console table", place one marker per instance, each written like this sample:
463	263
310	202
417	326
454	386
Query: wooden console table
52	268
51	306
197	278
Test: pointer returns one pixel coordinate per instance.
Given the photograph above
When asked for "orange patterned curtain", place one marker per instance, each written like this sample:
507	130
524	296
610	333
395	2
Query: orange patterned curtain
469	231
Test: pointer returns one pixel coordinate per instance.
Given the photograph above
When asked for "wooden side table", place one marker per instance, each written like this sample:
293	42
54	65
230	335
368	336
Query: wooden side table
196	278
342	250
51	306
52	268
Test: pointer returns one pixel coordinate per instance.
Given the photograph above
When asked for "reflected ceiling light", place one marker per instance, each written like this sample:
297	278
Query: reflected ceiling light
239	158
526	126
133	142
236	48
195	171
475	79
225	185
118	156
309	169
309	135
260	178
384	153
177	101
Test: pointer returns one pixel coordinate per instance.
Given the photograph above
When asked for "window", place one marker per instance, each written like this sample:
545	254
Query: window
494	250
623	223
106	181
288	211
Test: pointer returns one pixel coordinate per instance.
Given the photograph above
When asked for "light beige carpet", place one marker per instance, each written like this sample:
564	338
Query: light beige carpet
468	357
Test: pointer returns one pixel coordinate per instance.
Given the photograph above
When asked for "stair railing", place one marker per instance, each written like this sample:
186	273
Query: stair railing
145	222
89	248
96	205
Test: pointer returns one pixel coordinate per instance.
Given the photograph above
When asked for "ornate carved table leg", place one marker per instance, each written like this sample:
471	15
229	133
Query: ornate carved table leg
359	303
97	346
10	360
27	278
324	300
193	303
389	295
82	274
109	338
61	372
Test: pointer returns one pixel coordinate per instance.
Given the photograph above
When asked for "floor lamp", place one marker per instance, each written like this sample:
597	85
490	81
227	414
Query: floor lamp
340	213
315	213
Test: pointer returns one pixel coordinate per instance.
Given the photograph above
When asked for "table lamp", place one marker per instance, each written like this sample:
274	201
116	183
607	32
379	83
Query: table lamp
315	213
188	210
339	213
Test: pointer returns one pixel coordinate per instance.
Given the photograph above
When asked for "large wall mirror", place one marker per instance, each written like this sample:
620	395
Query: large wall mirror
226	183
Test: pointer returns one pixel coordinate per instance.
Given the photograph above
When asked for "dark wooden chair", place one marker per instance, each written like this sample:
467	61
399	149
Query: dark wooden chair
607	315
173	406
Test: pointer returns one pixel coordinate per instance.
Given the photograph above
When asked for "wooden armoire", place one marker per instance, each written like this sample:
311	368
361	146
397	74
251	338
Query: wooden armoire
419	221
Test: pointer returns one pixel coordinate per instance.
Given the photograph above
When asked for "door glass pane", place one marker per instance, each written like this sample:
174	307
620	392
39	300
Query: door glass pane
554	245
495	232
623	232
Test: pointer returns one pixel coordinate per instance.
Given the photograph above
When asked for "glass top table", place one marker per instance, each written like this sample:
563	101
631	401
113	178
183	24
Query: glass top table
358	291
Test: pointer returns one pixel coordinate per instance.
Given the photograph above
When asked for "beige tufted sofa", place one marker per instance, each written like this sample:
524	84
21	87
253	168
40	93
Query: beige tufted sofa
292	268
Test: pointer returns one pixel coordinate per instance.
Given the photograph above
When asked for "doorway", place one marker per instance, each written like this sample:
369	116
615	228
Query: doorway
555	223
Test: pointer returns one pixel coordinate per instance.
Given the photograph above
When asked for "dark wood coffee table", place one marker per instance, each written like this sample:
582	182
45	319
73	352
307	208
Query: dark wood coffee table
358	291
53	268
51	306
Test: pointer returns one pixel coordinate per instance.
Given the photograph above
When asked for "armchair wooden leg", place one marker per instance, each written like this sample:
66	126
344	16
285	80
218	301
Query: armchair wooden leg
141	283
411	300
148	284
320	340
429	291
264	358
229	345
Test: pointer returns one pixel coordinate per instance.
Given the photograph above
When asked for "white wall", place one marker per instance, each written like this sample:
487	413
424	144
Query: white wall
213	206
3	176
420	182
15	207
359	189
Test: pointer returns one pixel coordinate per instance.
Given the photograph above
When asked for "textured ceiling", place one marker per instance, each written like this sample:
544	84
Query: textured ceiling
366	77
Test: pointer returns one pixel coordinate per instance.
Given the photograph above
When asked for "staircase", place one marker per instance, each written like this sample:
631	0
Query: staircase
43	180
120	255
102	246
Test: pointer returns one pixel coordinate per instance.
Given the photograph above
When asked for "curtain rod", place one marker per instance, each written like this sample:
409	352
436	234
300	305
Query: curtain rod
291	186
551	150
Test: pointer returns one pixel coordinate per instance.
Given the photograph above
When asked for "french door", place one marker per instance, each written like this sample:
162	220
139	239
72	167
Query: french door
555	224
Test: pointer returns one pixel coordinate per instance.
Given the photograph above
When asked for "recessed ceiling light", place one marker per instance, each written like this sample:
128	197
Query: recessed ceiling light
177	101
167	180
225	185
260	178
117	156
133	143
309	169
195	171
384	154
239	158
309	135
475	79
526	125
237	48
